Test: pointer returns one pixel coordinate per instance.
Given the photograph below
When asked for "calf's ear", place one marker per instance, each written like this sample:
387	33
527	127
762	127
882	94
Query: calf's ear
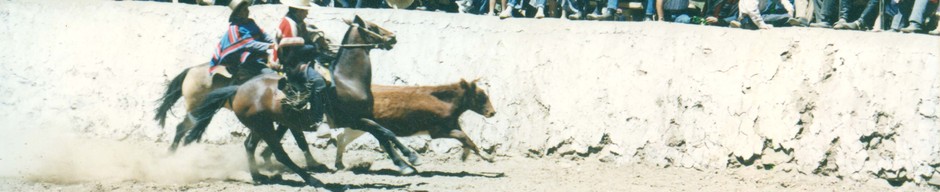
464	84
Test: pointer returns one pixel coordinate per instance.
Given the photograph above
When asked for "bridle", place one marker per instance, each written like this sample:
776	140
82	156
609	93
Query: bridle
383	41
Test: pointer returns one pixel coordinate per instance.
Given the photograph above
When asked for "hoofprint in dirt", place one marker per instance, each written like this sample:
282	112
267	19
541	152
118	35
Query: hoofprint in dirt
439	172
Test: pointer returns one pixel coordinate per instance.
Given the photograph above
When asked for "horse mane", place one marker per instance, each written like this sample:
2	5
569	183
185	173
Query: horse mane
339	53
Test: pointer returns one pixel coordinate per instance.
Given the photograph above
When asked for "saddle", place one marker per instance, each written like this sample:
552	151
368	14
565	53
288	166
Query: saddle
297	97
219	70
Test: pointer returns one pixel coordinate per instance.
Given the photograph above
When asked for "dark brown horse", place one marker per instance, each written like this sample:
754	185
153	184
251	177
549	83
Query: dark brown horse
258	102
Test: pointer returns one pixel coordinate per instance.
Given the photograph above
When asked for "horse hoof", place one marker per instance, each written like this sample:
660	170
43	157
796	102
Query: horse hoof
262	179
414	161
340	166
318	168
407	170
314	182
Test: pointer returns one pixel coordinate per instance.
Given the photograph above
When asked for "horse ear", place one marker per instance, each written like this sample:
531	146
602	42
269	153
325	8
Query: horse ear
358	20
347	21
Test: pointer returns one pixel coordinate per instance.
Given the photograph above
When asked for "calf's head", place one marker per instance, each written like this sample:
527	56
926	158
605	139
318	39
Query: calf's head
476	98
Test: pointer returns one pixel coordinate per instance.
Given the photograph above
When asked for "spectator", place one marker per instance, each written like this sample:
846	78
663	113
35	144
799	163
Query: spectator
724	13
673	11
777	13
825	13
479	7
865	21
604	13
894	19
574	8
518	4
650	9
918	12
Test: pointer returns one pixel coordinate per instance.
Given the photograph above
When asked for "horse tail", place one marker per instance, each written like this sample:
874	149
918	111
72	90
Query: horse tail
174	91
203	114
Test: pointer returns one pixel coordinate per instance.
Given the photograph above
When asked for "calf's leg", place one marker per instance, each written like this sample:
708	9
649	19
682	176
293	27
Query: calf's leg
468	145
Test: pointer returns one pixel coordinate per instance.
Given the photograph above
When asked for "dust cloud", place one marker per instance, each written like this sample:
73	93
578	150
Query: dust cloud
56	156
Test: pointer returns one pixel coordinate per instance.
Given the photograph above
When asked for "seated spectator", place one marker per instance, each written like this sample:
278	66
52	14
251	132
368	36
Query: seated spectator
825	13
865	21
574	8
673	11
758	13
449	6
894	19
518	4
481	7
604	13
920	10
650	9
724	13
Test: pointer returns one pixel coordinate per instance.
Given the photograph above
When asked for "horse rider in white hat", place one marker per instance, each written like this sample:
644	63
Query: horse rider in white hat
243	48
298	61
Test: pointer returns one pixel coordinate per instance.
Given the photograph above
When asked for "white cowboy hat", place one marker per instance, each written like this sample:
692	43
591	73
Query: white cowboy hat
399	4
237	3
299	4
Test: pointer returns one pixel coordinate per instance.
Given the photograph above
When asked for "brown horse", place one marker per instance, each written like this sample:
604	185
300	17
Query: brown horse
258	102
192	84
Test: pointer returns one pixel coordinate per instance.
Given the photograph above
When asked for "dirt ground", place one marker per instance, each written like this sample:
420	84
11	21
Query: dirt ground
223	168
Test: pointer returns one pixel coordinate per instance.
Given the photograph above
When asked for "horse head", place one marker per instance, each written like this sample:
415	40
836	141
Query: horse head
374	34
476	98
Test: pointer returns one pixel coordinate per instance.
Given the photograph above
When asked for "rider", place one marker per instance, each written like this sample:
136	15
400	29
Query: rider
244	44
314	49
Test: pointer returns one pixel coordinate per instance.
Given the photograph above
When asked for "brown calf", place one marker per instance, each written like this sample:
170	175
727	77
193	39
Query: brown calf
435	110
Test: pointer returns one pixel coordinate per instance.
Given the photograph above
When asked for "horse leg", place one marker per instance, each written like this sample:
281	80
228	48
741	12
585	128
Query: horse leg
266	152
467	145
347	136
251	143
412	157
267	132
312	164
181	130
386	143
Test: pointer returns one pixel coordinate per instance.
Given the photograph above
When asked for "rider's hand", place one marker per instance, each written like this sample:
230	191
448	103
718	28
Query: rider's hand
274	66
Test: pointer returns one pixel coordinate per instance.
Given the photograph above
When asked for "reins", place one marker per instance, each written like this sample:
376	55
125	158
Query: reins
383	39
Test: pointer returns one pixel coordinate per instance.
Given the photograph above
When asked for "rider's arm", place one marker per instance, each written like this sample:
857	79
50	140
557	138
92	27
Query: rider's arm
262	43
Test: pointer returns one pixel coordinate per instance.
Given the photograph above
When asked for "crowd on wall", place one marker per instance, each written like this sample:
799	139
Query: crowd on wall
907	16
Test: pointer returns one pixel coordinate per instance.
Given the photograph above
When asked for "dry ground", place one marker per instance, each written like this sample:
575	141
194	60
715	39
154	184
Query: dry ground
132	166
